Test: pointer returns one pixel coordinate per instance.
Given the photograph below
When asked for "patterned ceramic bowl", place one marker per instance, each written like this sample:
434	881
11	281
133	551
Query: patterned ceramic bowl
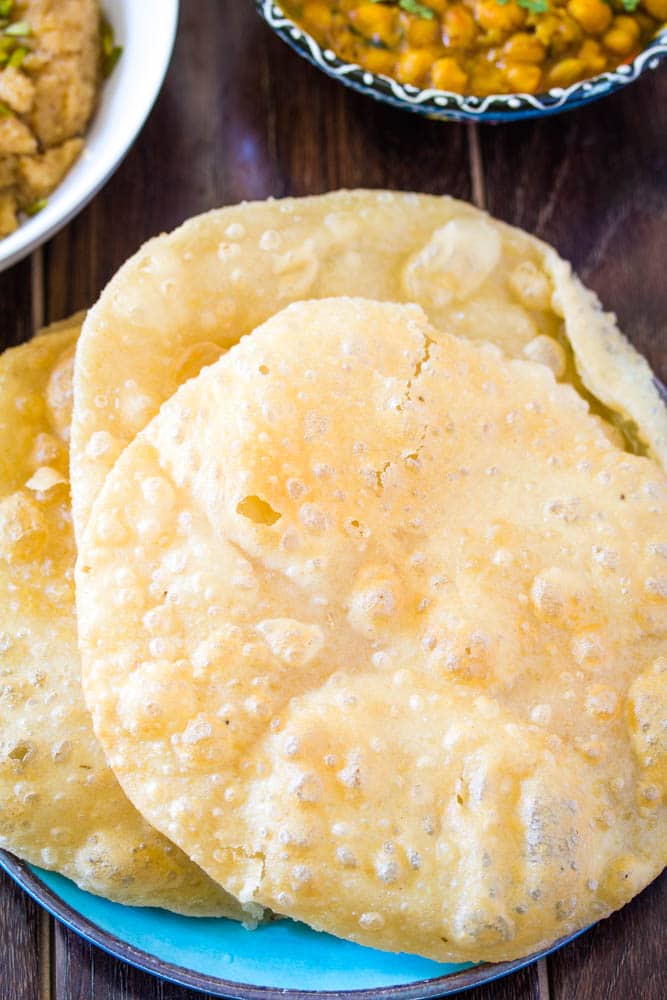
458	107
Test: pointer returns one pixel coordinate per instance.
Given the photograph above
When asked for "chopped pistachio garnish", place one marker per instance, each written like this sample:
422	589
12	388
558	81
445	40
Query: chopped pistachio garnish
35	207
17	57
111	52
12	36
19	29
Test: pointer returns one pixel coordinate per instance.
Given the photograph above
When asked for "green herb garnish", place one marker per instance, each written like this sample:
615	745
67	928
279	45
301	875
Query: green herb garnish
533	6
5	112
17	57
541	6
12	51
19	29
35	206
411	7
111	52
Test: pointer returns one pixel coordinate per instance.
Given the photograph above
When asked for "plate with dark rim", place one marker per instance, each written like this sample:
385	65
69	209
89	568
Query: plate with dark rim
281	959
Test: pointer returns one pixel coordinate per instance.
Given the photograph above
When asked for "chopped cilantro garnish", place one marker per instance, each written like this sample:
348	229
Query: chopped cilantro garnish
533	6
541	6
5	112
411	7
6	7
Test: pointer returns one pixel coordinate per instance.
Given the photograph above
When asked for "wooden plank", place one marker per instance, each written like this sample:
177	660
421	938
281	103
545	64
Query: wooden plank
593	184
19	943
522	985
83	972
242	121
15	305
622	957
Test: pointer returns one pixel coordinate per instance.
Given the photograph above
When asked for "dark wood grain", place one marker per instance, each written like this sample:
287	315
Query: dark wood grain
594	183
83	972
241	117
522	985
15	305
19	943
622	957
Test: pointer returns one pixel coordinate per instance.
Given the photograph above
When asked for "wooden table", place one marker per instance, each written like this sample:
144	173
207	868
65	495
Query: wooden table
240	117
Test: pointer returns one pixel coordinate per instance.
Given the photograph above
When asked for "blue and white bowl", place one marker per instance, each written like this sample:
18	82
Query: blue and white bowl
447	106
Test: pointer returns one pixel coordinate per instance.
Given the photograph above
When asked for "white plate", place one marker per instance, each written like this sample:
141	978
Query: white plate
146	30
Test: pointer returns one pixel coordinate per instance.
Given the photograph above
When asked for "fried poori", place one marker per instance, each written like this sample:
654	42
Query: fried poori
60	804
374	626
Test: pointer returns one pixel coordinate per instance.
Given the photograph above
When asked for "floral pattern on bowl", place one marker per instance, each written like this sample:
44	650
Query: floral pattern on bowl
448	106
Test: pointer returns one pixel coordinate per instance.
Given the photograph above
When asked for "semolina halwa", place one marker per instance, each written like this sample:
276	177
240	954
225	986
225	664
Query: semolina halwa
51	65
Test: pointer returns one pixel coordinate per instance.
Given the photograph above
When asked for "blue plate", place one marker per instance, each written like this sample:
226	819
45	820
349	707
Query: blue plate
282	959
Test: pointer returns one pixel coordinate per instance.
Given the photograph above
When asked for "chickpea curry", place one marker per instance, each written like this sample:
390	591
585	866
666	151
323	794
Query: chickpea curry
483	46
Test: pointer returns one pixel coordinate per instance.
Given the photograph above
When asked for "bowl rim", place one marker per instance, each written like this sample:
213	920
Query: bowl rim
101	155
445	105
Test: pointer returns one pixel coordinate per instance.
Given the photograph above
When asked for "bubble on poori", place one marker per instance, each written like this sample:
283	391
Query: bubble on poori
60	805
374	626
221	274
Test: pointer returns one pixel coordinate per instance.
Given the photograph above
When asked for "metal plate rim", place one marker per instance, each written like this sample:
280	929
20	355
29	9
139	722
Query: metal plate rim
427	989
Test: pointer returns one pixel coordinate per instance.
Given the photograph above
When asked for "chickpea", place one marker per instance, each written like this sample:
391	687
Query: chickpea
317	17
377	22
524	48
558	32
656	8
439	6
486	79
591	53
459	29
447	74
567	71
346	45
644	23
622	39
594	16
627	24
422	32
413	66
524	78
379	61
503	18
